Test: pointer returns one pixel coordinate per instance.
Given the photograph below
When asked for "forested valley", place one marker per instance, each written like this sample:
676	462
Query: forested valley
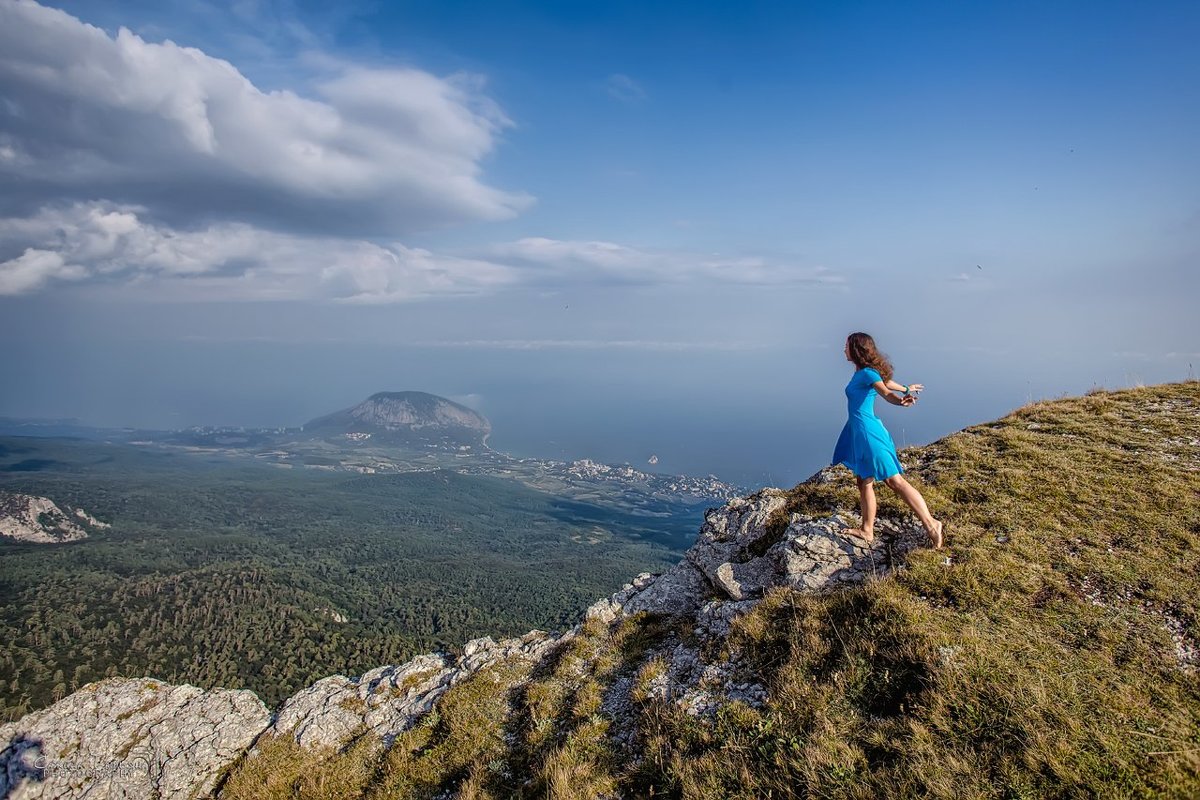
223	574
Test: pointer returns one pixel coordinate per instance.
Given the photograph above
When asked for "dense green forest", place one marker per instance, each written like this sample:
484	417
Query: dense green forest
240	575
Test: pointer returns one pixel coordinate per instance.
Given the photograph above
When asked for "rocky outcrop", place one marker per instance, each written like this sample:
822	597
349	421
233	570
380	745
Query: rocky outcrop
387	700
129	738
28	518
742	550
189	735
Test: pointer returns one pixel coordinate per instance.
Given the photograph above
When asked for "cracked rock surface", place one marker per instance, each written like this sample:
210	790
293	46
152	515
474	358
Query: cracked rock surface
129	738
388	700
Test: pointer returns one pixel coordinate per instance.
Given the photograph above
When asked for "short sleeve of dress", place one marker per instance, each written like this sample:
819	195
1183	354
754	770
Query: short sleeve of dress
872	375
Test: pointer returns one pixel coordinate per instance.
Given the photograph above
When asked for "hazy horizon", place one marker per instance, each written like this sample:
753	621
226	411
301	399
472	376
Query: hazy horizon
763	417
618	231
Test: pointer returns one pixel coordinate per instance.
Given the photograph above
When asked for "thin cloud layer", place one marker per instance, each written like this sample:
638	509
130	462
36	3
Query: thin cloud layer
366	151
554	260
594	344
114	246
624	88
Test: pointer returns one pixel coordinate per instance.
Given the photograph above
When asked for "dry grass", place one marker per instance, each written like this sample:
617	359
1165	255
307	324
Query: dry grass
458	744
1049	659
282	769
1038	664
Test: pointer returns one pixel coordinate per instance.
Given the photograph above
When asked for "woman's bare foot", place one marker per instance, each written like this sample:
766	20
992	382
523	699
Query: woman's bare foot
867	536
936	535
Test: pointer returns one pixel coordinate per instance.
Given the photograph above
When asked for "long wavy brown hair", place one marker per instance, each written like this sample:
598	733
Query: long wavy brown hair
864	354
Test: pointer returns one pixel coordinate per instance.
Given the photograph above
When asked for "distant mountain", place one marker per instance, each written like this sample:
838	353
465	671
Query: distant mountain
404	418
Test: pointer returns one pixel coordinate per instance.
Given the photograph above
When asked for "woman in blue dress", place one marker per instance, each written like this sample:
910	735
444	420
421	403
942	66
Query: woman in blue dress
866	447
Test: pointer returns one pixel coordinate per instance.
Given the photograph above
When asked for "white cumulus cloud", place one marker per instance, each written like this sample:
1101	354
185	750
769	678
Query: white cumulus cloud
368	150
33	268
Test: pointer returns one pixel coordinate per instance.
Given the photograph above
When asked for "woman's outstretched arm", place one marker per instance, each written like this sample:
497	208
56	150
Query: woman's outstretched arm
900	387
885	391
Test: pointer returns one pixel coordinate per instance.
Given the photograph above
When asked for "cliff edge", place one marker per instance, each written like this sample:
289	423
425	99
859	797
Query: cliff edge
1051	650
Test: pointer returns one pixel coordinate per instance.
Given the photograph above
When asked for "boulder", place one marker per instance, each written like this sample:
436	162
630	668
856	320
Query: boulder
388	700
129	738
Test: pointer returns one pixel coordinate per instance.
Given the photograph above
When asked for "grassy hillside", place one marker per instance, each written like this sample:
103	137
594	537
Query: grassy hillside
1053	656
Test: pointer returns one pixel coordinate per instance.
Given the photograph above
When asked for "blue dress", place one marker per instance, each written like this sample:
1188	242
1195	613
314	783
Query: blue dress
865	446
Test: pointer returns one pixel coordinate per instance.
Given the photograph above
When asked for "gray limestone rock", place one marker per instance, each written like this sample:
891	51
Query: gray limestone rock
743	581
29	518
384	701
388	700
714	617
734	557
610	608
730	533
818	554
129	738
678	591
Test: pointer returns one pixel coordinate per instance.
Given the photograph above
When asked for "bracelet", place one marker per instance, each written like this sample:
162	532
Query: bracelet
906	390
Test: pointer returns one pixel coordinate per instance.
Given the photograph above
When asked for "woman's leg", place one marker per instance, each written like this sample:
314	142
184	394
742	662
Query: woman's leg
866	497
866	501
917	503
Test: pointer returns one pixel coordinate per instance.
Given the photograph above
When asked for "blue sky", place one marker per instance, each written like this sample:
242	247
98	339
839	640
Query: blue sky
535	206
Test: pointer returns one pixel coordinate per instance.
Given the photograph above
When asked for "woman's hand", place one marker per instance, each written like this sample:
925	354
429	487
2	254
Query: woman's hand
889	392
915	388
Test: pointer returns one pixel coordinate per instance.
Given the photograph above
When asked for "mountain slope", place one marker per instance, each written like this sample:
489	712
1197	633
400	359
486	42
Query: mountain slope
1053	654
411	418
26	518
